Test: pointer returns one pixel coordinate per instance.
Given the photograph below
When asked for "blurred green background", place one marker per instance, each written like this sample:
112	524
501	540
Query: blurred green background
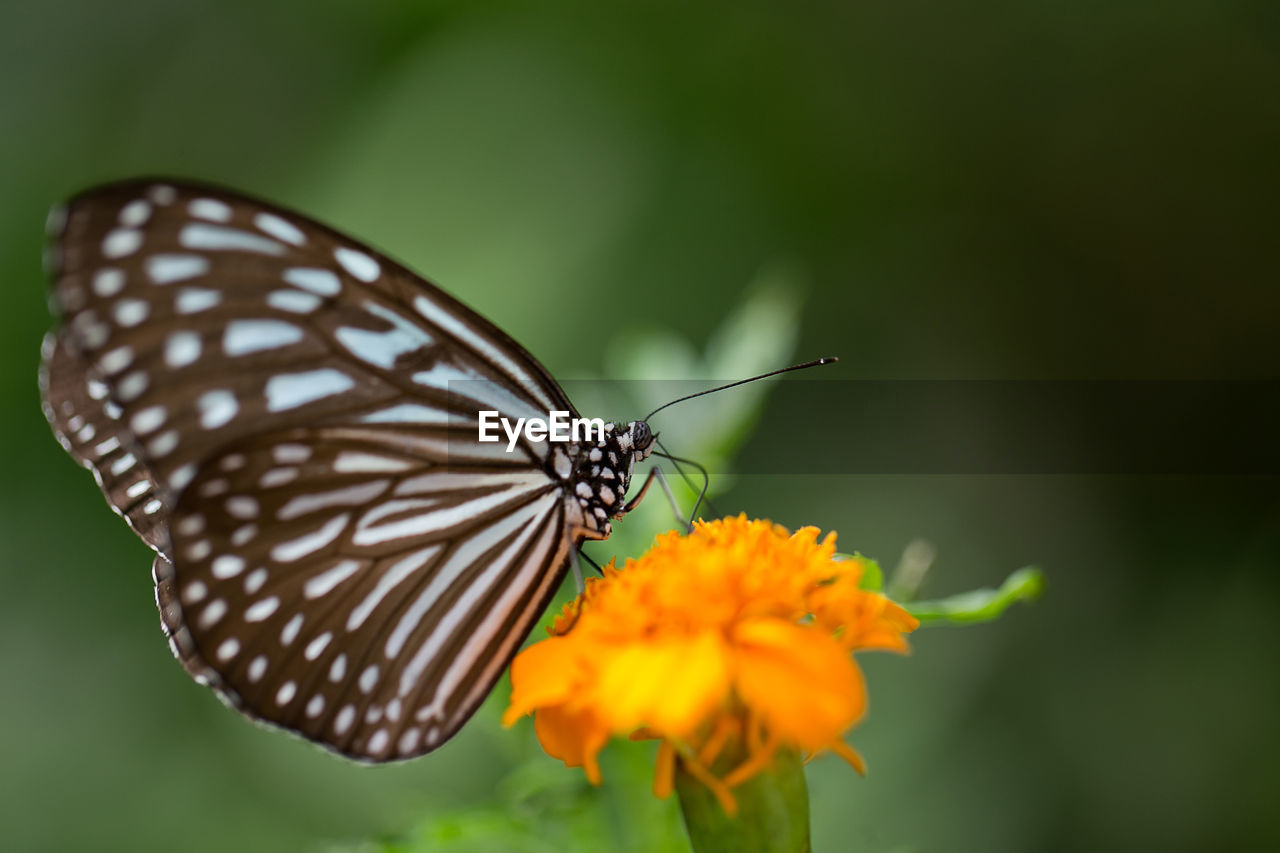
982	190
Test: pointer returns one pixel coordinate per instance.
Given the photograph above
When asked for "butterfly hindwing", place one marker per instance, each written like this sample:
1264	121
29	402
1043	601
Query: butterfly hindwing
332	587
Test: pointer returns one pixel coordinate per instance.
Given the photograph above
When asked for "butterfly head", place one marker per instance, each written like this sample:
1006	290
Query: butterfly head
640	438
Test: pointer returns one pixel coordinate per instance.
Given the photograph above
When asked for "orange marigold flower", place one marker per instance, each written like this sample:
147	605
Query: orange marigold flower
739	631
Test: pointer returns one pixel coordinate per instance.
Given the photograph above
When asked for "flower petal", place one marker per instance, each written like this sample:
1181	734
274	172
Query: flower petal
544	674
798	680
669	684
574	737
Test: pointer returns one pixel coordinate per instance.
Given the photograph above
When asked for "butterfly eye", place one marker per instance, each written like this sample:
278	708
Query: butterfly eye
641	435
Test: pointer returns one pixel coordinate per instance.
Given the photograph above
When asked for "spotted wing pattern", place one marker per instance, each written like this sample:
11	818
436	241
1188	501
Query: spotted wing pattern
289	419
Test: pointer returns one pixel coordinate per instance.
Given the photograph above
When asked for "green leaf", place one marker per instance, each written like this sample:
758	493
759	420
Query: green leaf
872	579
980	605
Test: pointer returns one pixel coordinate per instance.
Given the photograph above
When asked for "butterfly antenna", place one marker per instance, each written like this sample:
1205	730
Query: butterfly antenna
815	363
706	479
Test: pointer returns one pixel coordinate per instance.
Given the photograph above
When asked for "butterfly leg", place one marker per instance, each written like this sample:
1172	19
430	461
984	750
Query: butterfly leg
655	473
687	523
627	506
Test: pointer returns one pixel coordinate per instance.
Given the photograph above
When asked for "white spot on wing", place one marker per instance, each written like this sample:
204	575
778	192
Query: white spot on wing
286	693
131	312
260	610
293	301
291	454
108	282
165	269
163	444
291	629
316	647
279	228
254	580
342	722
290	390
228	649
194	592
226	566
217	408
211	209
319	281
124	463
296	549
242	507
132	386
246	336
121	242
217	238
192	300
324	583
115	361
148	420
415	413
181	349
257	668
213	611
357	263
357	462
338	669
135	213
383	348
180	478
409	740
162	194
378	741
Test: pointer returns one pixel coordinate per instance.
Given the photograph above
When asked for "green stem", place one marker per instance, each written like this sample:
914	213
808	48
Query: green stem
980	605
773	809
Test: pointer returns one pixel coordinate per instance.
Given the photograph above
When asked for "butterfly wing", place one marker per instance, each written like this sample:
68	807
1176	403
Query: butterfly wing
363	595
289	419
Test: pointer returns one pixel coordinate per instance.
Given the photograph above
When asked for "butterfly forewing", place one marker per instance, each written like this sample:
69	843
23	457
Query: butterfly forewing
289	419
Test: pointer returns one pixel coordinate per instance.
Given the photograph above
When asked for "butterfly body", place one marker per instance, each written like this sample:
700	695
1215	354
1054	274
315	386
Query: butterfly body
288	418
602	474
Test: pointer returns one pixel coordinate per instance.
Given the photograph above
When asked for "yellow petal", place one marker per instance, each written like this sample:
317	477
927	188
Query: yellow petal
798	680
670	684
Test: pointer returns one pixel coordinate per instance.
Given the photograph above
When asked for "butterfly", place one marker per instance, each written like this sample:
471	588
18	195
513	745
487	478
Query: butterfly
289	419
